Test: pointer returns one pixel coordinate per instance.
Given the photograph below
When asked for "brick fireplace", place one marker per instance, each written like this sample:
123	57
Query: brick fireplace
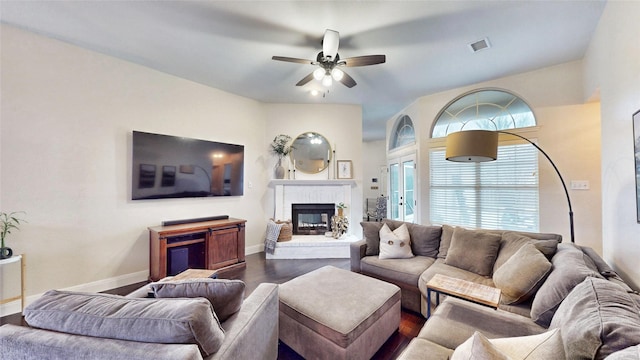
310	204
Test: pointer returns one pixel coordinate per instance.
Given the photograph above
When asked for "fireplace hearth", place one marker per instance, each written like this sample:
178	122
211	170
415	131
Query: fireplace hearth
312	219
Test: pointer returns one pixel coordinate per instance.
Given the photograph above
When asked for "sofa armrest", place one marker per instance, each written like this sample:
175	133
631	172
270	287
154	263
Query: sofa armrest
357	252
252	332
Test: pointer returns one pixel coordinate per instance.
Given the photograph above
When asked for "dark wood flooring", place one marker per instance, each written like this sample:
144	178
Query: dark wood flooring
261	270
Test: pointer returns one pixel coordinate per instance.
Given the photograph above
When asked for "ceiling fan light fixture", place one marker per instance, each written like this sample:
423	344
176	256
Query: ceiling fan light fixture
318	74
327	80
337	74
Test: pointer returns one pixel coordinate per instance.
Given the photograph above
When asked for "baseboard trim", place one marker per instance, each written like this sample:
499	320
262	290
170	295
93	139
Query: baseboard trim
95	286
254	249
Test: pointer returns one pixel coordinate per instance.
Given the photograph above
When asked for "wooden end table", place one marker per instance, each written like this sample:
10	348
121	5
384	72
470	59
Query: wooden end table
461	289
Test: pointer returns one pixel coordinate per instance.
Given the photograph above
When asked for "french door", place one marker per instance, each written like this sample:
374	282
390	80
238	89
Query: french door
402	189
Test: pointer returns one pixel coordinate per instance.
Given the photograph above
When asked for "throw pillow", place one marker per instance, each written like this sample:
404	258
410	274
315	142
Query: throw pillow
545	346
371	232
425	239
395	244
167	321
512	241
597	319
522	275
477	347
473	250
630	353
569	269
445	241
225	295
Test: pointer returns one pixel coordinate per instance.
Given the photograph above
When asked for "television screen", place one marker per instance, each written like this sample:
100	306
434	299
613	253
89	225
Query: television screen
176	167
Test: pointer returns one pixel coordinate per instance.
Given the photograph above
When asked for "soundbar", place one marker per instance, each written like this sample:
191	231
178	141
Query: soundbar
188	221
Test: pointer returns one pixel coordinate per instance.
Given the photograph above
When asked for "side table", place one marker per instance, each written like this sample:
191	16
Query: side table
23	266
461	289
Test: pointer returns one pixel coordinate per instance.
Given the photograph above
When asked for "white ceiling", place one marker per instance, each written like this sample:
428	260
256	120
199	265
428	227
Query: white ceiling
228	44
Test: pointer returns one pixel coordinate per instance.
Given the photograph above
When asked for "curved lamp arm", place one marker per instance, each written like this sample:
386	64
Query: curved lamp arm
566	192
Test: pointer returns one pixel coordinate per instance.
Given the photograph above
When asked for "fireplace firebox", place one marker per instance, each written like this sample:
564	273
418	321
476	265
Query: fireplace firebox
312	219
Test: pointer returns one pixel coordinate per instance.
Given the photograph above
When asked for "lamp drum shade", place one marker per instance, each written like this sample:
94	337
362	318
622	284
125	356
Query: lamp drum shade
472	146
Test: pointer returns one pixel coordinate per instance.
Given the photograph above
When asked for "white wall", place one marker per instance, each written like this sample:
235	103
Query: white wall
568	132
374	163
67	116
340	124
612	69
65	144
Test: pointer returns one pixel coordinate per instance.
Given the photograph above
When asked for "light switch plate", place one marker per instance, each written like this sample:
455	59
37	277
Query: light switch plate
579	184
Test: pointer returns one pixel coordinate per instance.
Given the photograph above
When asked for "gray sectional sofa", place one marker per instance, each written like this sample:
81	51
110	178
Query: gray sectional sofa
71	325
558	300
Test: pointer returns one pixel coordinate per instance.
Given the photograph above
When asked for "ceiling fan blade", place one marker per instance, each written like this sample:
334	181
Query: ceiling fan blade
293	60
347	80
330	43
364	60
305	80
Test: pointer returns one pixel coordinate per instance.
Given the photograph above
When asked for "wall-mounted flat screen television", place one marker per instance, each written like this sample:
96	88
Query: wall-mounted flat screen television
176	167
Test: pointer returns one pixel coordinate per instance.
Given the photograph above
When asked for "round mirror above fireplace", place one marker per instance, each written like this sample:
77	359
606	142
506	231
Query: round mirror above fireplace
311	153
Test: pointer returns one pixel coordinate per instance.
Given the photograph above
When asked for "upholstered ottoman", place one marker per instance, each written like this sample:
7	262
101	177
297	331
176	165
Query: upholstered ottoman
331	313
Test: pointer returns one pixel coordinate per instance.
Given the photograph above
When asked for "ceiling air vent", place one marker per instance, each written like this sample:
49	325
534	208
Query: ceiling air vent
480	45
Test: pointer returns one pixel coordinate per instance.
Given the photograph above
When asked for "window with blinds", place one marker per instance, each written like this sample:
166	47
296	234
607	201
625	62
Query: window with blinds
501	194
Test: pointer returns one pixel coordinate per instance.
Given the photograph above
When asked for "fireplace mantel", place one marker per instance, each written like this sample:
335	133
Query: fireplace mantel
288	192
287	182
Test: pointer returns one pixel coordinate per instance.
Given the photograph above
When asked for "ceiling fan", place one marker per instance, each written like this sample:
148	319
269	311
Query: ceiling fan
329	61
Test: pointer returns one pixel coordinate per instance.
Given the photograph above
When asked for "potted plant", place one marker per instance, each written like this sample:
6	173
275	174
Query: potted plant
8	222
280	148
341	206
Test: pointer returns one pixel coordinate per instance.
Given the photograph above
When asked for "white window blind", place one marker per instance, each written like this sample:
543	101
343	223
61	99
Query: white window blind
501	194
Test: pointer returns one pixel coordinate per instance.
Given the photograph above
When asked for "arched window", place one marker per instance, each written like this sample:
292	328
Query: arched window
490	109
501	194
403	133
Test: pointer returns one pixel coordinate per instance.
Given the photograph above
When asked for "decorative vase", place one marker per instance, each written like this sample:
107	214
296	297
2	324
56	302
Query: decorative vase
279	170
339	226
5	253
340	212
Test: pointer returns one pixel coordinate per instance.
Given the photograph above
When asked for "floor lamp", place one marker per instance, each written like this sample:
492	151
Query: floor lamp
482	145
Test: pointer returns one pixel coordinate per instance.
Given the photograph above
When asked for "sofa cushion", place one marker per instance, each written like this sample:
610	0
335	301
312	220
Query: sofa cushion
418	347
371	232
225	295
395	244
454	321
513	241
405	271
521	276
569	269
478	347
597	319
170	321
23	342
545	346
445	241
473	250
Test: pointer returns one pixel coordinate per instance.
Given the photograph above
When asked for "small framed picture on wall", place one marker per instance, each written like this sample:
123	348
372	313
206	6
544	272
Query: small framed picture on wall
636	148
345	169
